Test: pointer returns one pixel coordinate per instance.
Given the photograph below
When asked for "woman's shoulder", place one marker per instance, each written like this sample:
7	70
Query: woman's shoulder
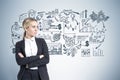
39	38
19	42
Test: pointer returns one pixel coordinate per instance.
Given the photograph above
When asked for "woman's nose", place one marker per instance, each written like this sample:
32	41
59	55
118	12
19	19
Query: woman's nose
36	28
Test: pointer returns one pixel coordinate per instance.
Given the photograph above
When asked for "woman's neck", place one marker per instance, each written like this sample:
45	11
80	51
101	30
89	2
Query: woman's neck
28	37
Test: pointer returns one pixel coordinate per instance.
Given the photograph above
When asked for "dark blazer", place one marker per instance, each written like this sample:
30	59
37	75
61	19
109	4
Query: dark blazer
33	61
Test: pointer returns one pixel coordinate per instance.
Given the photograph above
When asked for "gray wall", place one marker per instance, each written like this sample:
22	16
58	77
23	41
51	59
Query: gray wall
64	67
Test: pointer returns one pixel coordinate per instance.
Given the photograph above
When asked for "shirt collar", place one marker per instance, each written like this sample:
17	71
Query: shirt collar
31	39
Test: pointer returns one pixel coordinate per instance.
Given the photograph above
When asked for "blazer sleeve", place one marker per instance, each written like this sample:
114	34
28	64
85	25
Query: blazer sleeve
44	60
25	60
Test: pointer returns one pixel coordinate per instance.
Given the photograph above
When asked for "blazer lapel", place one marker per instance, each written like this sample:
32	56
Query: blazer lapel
38	45
23	47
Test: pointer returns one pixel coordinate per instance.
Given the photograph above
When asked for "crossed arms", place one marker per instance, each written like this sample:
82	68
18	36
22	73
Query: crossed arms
32	61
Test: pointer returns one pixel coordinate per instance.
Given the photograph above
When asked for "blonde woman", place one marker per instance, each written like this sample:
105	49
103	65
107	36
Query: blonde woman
32	53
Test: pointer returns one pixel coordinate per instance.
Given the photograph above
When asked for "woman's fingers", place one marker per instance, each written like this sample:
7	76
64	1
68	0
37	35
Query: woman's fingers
41	56
21	55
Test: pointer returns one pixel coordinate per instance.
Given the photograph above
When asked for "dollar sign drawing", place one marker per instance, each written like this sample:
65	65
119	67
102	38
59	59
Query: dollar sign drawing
87	43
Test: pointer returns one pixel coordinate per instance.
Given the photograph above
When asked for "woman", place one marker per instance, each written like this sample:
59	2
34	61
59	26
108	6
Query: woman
32	53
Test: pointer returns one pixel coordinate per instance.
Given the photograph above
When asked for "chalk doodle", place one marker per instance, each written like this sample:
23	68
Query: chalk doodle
66	32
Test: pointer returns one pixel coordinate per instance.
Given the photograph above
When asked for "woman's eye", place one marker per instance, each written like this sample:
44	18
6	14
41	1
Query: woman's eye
33	26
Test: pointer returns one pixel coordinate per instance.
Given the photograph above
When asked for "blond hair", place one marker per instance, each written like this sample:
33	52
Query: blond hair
26	23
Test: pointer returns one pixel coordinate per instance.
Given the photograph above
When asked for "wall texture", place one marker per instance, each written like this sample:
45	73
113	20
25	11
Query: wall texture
82	36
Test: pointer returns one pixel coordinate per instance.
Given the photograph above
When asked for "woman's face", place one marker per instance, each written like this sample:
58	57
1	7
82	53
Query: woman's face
32	29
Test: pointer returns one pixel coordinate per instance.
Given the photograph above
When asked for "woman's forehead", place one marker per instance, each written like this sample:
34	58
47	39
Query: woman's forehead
33	23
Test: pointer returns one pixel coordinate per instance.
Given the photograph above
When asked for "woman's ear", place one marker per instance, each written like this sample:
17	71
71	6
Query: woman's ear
25	29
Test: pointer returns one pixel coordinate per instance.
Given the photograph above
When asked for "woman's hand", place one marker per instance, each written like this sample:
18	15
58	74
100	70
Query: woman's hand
41	56
21	55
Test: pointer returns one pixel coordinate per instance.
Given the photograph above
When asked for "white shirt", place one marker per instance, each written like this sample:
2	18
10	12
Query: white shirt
31	48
